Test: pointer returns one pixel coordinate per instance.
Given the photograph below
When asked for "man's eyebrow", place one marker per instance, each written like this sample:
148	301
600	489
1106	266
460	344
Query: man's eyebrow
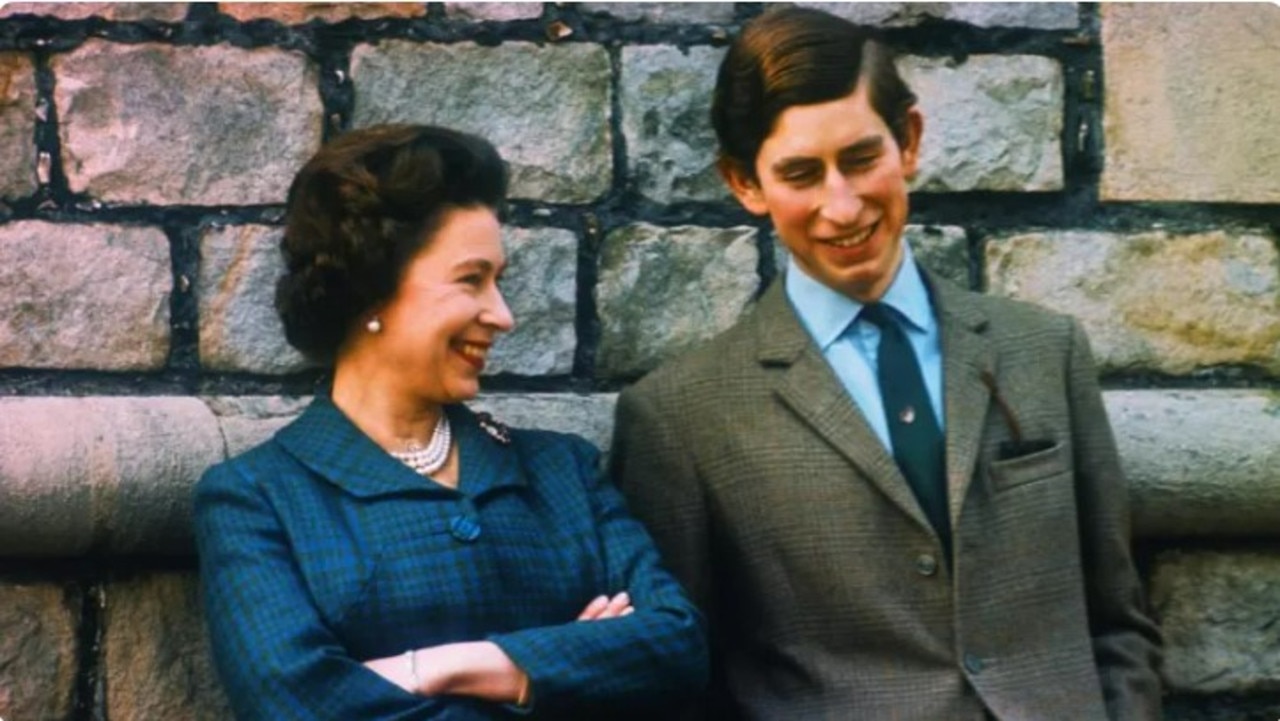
866	145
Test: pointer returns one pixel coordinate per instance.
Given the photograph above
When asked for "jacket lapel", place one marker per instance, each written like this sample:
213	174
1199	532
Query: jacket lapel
967	354
813	392
324	440
487	455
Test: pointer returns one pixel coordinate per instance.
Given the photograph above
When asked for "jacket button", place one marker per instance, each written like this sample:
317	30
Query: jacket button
464	528
973	664
926	564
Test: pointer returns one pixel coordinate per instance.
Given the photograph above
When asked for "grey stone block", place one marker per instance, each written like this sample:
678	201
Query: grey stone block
943	249
1212	140
239	327
1200	463
1041	16
108	475
663	290
1153	301
84	296
246	421
545	108
590	416
291	13
1218	613
681	13
666	120
540	286
990	123
496	11
163	125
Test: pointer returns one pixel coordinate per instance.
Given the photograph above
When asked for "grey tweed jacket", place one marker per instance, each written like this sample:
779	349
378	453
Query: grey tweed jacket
826	590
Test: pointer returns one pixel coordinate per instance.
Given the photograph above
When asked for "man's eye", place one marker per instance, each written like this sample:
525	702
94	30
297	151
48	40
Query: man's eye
472	279
860	162
800	176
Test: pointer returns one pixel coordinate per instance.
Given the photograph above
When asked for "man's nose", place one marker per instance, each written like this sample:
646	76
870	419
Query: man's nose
841	202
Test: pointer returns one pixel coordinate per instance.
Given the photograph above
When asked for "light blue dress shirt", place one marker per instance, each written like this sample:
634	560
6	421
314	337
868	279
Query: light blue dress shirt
850	348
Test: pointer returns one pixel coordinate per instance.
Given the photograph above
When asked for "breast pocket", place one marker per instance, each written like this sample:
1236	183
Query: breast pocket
1040	465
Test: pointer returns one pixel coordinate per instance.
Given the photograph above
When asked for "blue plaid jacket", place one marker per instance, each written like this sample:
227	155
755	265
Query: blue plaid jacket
318	551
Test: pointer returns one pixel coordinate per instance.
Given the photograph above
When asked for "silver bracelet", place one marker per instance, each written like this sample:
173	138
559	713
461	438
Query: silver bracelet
412	657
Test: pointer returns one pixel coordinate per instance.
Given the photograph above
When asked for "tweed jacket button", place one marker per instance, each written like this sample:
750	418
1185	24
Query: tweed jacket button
926	564
464	528
973	664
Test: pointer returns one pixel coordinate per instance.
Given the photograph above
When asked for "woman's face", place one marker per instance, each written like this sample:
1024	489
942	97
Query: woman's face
439	326
833	180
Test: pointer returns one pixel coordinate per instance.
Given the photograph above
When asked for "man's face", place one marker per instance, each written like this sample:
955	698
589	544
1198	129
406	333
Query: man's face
833	180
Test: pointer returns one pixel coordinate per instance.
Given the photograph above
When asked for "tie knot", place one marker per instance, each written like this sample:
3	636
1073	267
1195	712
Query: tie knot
879	314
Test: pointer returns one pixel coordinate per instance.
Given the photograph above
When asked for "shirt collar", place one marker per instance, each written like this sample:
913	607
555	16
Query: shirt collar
826	313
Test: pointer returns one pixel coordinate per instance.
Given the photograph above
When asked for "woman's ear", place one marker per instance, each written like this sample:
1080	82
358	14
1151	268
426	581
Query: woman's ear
744	186
911	143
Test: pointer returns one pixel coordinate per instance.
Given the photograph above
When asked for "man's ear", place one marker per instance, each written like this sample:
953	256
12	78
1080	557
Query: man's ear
744	186
911	143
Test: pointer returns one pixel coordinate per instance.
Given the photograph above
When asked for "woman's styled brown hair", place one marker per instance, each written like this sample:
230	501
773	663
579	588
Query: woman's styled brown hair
360	210
799	56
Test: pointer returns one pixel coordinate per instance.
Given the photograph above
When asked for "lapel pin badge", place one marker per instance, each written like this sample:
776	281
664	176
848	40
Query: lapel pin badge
496	430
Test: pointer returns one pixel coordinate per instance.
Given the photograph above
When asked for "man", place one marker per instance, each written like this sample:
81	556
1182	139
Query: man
894	498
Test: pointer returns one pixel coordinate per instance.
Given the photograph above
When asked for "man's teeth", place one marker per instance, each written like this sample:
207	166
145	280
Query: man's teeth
470	350
851	240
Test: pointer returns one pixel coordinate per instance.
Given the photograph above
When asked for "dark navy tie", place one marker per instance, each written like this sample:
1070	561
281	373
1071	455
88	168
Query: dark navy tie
914	432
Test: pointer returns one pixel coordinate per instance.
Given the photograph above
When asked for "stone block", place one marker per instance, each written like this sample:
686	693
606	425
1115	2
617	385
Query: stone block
545	108
291	13
17	125
84	296
1218	613
239	327
495	11
246	421
682	13
165	12
103	475
666	120
662	291
1200	463
943	249
590	416
1155	300
38	651
541	288
164	125
1038	16
1190	102
993	122
155	652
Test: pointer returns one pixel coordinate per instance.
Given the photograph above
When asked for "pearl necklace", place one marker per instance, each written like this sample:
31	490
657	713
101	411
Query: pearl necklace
426	461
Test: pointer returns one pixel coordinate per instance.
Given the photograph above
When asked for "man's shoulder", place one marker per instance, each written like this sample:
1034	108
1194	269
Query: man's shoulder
1006	316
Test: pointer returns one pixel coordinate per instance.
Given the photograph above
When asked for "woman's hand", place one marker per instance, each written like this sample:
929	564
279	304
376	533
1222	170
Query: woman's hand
475	668
602	607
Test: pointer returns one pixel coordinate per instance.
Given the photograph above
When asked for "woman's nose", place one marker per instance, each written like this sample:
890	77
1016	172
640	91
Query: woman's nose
499	314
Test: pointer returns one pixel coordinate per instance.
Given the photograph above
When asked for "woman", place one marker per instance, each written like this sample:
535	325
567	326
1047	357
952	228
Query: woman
390	554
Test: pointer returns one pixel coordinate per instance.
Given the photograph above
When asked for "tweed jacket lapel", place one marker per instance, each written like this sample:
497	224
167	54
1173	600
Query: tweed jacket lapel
327	442
966	355
813	392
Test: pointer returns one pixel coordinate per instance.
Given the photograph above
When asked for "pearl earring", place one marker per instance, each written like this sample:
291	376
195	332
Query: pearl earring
374	325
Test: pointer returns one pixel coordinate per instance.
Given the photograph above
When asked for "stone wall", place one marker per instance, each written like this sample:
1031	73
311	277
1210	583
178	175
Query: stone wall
1118	162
